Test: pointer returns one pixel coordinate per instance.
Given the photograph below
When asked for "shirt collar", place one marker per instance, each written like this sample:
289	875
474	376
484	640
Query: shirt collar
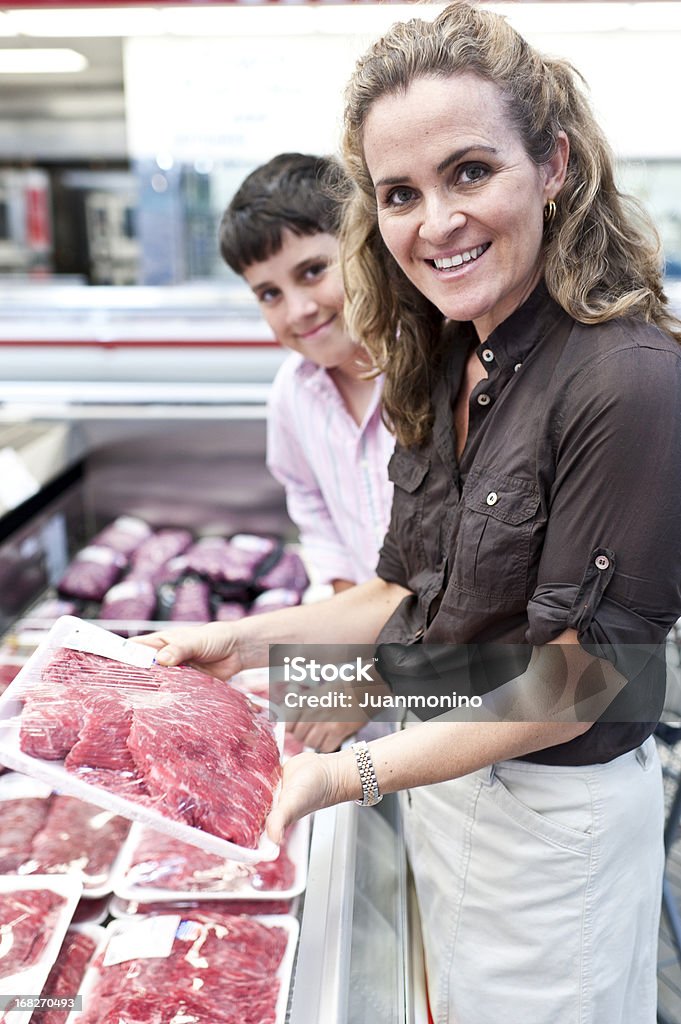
514	338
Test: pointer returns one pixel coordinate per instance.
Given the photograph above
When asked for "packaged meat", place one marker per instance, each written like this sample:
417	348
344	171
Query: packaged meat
152	556
68	970
42	832
226	970
191	602
235	562
156	866
287	573
120	907
172	747
34	915
91	573
125	534
132	599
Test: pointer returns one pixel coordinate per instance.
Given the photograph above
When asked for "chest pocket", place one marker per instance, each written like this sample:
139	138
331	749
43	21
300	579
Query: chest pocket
493	546
408	471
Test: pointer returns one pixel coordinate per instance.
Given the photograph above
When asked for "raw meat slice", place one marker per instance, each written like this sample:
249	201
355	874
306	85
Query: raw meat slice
172	738
208	739
130	600
125	534
77	836
191	602
67	973
156	551
161	861
27	919
20	820
218	971
288	573
91	573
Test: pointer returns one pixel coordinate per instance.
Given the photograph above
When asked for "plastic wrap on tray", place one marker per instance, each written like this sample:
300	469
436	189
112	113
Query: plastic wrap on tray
68	970
92	572
132	599
189	748
288	573
273	600
27	918
20	820
124	534
76	837
48	833
160	861
151	558
121	907
196	967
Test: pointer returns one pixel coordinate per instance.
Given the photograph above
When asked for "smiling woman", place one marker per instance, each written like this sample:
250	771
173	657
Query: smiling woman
513	299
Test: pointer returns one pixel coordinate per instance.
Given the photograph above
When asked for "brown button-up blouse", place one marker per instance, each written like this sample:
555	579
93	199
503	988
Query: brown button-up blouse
564	510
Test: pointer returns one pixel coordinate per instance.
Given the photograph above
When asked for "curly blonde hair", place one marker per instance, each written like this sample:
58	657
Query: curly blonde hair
602	255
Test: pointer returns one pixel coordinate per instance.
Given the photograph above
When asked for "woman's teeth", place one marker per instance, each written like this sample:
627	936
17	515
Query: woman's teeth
462	257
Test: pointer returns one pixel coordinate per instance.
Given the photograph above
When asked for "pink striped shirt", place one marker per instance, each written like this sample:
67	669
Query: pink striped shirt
334	471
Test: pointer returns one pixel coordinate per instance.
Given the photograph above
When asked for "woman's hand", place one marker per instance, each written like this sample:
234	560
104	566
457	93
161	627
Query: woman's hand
213	648
309	782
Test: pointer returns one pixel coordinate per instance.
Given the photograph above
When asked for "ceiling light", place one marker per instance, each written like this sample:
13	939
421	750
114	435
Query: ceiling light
36	61
86	21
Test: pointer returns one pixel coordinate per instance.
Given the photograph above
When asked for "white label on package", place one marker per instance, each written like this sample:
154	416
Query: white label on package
16	482
147	938
108	645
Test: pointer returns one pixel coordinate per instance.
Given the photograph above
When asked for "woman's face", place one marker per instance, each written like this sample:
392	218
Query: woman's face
460	203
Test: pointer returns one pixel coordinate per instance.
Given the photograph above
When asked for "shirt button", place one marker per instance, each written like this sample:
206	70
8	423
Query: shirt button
488	355
492	498
602	562
517	367
483	399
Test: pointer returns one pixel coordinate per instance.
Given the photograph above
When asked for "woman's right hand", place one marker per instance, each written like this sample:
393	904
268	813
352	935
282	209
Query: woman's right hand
212	648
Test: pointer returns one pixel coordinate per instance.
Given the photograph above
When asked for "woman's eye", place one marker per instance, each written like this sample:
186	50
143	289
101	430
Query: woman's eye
399	196
268	296
472	172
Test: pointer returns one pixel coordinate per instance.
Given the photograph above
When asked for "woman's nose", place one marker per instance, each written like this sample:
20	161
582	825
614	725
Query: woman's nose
441	218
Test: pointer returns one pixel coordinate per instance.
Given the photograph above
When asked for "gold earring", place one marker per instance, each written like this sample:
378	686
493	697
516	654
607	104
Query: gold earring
549	211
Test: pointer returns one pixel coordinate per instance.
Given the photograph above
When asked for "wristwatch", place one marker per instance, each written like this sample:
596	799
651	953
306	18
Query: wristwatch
365	766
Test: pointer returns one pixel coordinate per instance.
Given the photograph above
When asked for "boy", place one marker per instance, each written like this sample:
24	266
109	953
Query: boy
326	442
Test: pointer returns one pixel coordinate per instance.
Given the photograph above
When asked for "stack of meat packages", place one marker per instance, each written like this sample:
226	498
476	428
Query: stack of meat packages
129	572
201	753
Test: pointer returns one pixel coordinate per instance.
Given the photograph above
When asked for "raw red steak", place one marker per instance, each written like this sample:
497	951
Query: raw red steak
77	836
20	820
172	738
27	920
161	861
67	973
222	972
209	755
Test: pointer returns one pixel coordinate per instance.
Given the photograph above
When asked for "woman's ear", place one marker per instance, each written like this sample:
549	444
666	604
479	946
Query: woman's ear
555	167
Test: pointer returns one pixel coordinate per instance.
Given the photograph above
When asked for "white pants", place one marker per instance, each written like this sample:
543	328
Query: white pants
539	889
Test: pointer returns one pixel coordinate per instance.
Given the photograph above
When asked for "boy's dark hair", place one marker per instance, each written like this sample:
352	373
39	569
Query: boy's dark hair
302	193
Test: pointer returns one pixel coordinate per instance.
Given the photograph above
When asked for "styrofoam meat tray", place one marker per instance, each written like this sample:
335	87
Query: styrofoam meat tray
31	981
66	632
125	909
297	848
131	927
15	786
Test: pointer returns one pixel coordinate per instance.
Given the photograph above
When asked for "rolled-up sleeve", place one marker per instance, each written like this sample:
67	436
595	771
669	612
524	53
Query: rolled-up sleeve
610	565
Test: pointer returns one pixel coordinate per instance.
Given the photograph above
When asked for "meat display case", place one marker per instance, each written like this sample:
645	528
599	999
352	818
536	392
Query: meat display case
358	957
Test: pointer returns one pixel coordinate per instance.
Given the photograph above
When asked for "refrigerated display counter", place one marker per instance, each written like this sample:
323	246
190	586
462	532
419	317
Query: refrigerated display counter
358	956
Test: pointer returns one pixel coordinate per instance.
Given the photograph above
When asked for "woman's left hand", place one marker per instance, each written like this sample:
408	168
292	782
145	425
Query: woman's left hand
309	782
